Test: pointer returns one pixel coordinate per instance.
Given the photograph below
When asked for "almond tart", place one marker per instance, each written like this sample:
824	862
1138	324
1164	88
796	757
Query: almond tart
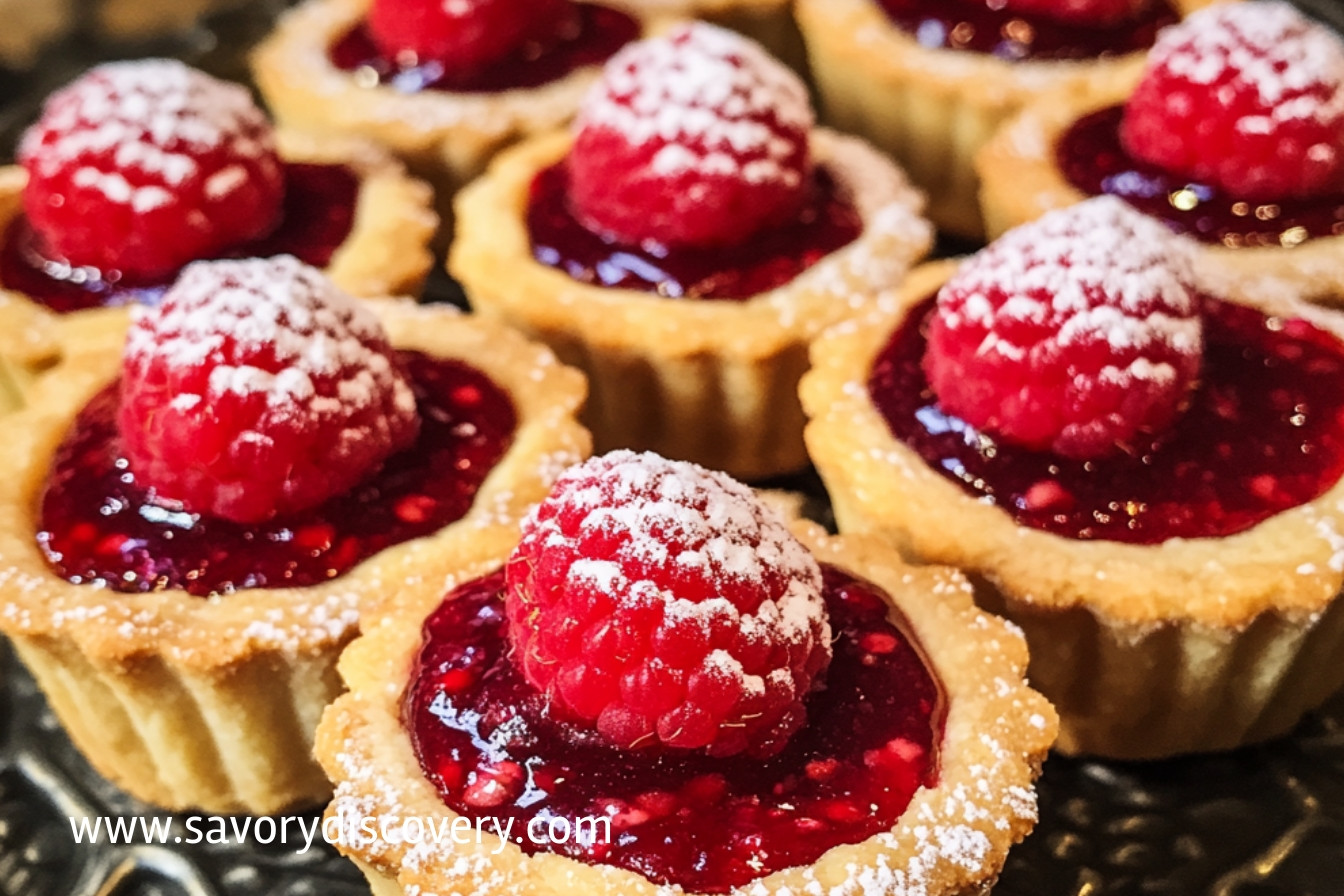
1159	510
324	69
1264	202
686	271
930	81
788	712
109	204
185	550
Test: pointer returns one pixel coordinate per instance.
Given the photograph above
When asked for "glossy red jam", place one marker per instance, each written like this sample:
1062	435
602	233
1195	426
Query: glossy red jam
1094	160
598	33
317	216
485	740
1264	433
828	221
98	525
984	27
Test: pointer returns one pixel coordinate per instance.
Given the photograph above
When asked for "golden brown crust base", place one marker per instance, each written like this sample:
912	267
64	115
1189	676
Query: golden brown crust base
387	250
1189	646
156	689
951	840
1020	180
713	382
931	109
446	138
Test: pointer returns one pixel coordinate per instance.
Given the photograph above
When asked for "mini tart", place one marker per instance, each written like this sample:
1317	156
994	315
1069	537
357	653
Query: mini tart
211	703
387	249
952	839
1021	179
931	108
447	138
710	381
1191	645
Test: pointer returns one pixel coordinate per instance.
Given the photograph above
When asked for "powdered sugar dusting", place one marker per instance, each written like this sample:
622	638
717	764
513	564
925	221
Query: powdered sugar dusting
1269	47
717	101
280	309
726	534
152	118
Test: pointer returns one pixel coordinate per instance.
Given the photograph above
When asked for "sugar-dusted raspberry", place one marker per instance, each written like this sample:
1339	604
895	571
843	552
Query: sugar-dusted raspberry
1074	334
141	167
697	138
1080	12
665	605
1248	97
463	35
259	389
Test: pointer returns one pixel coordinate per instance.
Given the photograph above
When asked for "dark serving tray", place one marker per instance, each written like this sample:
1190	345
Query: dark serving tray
1264	821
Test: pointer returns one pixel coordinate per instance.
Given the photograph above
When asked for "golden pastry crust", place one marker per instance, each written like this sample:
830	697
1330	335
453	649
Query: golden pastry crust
714	382
387	250
1188	646
447	138
1020	180
163	690
952	839
931	109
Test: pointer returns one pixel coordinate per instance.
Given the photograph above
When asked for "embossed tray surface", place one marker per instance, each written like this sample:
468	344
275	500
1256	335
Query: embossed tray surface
1264	821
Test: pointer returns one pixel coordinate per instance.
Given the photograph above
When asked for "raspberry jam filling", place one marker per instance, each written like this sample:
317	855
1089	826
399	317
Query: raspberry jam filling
317	216
1094	160
484	739
828	221
97	524
982	27
1264	433
600	33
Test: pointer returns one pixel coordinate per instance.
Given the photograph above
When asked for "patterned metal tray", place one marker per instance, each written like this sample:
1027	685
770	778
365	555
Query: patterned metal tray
1267	821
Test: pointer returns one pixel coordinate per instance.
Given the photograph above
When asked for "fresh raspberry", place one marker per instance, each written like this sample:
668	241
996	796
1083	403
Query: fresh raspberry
697	138
1080	12
259	389
1248	97
1073	334
665	605
142	167
463	35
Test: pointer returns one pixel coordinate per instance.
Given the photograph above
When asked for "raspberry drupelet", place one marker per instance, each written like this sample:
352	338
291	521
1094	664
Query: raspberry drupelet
145	166
698	138
1074	334
1248	97
258	389
464	35
664	605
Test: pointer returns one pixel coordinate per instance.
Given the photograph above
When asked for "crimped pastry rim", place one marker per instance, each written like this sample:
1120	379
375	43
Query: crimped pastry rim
293	65
997	734
1291	563
387	250
980	80
213	633
1021	180
493	248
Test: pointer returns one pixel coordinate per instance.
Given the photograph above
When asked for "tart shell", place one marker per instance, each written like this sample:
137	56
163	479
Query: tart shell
1020	180
709	381
932	109
211	703
952	839
1194	645
387	250
447	138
